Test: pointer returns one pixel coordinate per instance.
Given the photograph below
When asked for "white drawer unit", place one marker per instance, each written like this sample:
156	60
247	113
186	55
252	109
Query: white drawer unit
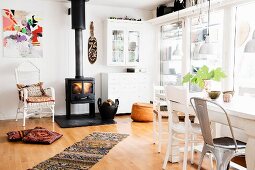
127	87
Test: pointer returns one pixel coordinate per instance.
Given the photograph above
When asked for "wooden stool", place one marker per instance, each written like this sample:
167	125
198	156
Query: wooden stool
142	112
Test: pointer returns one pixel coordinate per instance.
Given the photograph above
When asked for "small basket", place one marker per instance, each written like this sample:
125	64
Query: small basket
108	110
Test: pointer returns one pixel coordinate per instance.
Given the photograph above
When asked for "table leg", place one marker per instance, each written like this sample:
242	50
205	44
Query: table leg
249	153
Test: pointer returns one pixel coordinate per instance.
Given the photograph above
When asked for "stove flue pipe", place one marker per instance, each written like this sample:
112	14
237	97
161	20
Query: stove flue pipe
78	54
78	24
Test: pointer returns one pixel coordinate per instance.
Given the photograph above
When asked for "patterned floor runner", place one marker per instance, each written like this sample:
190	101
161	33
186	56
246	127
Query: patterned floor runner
84	154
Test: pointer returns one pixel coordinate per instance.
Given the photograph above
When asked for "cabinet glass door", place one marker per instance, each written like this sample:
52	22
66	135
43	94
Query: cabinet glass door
133	47
117	46
171	54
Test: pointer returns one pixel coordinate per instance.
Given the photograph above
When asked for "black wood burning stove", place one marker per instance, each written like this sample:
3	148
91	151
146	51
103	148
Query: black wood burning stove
79	90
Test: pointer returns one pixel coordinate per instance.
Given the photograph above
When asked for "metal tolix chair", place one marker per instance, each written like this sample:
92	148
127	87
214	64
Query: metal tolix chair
223	148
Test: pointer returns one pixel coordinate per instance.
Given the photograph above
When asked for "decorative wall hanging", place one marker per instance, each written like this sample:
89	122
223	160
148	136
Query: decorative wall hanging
92	45
22	34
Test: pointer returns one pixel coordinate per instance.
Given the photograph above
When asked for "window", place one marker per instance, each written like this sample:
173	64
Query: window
171	54
198	32
244	77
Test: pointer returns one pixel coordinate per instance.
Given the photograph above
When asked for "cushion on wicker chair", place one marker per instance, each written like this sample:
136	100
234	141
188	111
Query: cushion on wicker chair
40	99
142	112
34	90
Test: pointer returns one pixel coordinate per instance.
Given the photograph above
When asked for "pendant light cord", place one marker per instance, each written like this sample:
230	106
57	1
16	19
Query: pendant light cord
208	17
178	23
200	15
234	66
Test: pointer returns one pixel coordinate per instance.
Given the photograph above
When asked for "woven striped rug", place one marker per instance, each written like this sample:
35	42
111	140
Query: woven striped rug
84	154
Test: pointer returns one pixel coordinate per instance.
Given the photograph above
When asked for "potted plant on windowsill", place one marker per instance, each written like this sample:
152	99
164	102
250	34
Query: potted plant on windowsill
203	78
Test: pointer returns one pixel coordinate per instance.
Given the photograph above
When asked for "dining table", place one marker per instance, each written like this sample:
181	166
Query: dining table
241	111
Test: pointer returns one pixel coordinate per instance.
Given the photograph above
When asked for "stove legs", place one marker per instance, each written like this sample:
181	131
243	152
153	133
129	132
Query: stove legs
68	109
91	109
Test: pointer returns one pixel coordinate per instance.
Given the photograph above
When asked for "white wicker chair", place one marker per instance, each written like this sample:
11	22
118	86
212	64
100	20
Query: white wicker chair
27	73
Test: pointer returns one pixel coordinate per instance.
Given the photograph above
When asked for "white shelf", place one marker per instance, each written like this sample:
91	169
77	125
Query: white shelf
194	10
172	60
172	37
169	74
125	21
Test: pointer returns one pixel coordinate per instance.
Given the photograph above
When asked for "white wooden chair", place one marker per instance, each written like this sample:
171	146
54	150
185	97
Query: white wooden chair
177	100
27	73
159	100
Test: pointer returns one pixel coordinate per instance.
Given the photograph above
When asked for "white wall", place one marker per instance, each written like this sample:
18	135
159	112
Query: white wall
58	50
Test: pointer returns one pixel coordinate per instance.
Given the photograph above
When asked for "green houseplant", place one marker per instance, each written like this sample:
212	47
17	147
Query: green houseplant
204	74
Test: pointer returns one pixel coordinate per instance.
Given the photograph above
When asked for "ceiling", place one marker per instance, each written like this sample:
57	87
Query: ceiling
138	4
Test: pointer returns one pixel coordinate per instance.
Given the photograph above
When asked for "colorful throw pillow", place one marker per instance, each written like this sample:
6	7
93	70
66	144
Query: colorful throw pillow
18	135
34	90
37	135
42	136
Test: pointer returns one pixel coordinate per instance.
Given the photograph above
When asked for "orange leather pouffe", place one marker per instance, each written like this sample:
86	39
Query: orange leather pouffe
142	112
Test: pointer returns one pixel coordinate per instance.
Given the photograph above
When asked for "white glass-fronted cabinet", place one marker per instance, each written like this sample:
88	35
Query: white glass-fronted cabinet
171	54
123	43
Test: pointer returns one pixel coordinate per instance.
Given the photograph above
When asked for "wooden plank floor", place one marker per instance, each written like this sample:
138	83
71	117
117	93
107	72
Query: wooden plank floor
134	153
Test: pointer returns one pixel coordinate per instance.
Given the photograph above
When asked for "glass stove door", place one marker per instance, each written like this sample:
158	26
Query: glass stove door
76	87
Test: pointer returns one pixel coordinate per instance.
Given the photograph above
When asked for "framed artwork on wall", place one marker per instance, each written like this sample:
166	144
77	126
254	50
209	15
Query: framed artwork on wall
22	34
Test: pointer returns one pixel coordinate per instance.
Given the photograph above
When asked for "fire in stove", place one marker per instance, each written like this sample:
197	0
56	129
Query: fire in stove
80	91
77	88
88	88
